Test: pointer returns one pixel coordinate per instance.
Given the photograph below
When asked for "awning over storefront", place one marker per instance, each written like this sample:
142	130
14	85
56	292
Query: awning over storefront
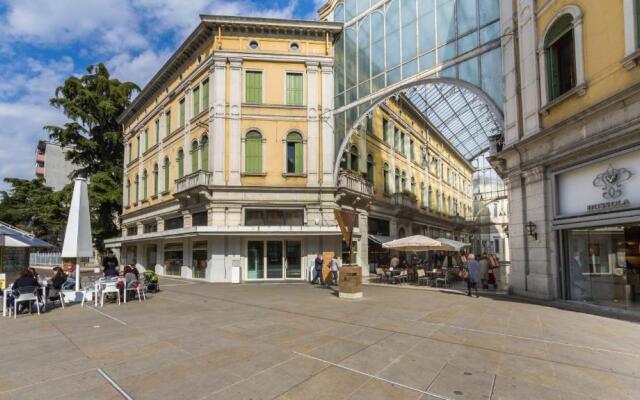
378	239
11	236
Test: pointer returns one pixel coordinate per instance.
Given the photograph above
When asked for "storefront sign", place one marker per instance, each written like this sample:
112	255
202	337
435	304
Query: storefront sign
607	185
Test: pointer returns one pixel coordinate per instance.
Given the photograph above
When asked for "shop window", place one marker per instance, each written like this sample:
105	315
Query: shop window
174	223
253	153
199	219
378	227
151	227
199	259
294	89
253	87
173	258
274	217
294	153
560	57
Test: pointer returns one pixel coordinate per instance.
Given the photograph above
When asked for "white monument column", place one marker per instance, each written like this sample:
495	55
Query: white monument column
217	116
313	125
328	139
235	104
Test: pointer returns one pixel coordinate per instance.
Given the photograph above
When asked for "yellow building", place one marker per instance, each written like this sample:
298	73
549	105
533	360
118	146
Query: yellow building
230	157
572	148
229	153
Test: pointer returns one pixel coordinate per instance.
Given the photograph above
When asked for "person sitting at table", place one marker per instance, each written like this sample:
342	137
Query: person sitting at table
135	271
130	276
395	261
26	279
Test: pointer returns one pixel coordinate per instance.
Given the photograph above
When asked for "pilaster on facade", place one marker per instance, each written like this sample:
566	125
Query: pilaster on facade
187	131
139	228
187	219
235	109
528	62
510	72
313	123
217	120
328	140
160	224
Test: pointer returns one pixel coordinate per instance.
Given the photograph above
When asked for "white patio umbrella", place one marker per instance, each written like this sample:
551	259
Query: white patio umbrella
416	243
456	245
77	238
10	236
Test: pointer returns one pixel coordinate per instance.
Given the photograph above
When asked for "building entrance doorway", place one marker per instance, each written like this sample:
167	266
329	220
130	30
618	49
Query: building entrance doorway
274	259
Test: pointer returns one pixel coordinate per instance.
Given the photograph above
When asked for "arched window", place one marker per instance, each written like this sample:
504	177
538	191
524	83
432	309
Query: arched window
155	179
560	57
180	161
128	187
402	139
144	185
194	156
167	173
204	156
401	233
294	153
355	158
253	153
386	182
413	185
137	182
398	187
404	181
423	195
338	13
370	168
438	201
430	198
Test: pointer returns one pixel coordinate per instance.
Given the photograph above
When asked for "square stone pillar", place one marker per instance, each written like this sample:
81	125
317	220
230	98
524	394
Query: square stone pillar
187	218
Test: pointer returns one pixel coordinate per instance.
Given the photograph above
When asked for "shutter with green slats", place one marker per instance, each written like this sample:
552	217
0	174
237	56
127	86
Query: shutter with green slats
180	164
182	113
168	123
205	154
167	172
298	157
253	87
196	101
205	94
253	153
294	89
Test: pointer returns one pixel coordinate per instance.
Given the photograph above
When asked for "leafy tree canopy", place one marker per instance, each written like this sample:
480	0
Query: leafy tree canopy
93	103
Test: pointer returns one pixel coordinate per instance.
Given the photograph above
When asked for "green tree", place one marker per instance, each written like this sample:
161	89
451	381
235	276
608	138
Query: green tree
93	103
36	208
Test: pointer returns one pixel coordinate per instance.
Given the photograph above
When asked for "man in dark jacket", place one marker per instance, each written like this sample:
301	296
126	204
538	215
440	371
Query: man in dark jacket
110	264
317	270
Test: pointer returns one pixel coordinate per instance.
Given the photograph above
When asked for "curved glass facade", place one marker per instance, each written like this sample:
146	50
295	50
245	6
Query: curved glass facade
391	42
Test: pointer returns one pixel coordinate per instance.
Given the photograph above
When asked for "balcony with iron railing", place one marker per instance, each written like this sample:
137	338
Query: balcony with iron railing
194	180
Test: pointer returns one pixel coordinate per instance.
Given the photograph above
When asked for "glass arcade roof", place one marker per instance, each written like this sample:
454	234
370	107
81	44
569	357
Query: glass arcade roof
460	115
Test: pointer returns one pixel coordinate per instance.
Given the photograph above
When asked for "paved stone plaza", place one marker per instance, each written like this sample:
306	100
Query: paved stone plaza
293	341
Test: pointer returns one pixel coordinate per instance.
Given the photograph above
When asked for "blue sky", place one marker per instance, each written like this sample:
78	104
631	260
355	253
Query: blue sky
44	41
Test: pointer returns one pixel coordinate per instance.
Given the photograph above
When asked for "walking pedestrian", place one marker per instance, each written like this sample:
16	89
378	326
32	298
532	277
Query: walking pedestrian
333	264
317	270
473	267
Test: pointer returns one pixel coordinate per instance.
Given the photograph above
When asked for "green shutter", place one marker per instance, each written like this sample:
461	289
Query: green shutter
553	73
205	95
155	183
137	189
253	87
144	187
167	172
294	89
168	123
196	101
298	161
180	165
146	140
157	131
253	154
194	160
182	113
205	156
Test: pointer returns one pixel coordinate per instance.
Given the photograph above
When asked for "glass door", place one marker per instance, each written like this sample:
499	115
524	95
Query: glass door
274	260
255	260
294	258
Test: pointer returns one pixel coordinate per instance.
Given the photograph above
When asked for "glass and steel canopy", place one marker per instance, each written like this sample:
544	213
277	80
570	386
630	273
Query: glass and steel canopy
459	114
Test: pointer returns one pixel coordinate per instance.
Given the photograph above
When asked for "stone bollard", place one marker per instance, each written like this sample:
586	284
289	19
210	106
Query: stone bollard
350	282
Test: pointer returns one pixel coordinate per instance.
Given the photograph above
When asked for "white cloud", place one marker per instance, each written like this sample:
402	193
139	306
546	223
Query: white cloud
112	23
137	68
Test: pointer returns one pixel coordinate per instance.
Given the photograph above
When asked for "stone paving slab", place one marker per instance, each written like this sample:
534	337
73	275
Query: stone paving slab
295	341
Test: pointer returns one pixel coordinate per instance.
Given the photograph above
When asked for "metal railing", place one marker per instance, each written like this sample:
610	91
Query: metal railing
45	259
195	179
354	183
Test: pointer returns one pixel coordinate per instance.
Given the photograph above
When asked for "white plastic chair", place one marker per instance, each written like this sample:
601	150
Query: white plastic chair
27	295
90	286
139	289
106	287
